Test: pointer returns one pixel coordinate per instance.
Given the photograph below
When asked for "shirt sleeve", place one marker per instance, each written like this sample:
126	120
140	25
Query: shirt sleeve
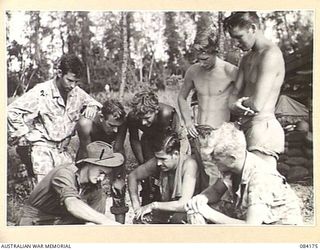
260	189
21	110
88	100
64	184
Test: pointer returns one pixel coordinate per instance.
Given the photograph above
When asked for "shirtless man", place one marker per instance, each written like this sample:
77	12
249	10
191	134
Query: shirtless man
258	83
155	120
213	79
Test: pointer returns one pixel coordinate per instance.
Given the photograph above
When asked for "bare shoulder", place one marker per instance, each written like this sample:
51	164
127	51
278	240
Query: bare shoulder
272	53
193	70
190	164
231	70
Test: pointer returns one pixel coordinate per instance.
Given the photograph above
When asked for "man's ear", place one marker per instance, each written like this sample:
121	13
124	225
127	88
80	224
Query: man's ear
176	153
59	73
254	27
233	157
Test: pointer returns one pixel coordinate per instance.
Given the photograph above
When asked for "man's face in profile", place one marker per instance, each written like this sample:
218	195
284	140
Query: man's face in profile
245	37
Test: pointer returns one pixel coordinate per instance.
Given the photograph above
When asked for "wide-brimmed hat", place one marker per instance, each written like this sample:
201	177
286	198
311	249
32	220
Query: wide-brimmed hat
101	153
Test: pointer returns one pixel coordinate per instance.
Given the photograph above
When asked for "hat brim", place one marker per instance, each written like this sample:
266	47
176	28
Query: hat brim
115	161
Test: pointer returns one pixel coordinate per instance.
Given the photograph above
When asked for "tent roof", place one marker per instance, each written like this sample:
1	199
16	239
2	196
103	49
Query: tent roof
287	106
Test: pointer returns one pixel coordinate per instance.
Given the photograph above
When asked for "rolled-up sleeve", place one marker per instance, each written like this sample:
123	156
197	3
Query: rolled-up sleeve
88	100
64	184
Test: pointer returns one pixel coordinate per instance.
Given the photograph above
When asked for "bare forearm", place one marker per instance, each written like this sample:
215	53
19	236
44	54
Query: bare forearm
83	211
184	110
137	150
253	104
220	218
133	192
173	206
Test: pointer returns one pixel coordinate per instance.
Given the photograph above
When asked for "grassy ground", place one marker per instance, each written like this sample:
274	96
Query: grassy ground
15	199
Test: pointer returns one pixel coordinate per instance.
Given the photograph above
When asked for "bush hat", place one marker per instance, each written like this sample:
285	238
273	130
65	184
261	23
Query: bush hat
101	153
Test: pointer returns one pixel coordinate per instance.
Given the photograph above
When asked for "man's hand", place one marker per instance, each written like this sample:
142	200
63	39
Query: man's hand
142	211
240	109
192	131
196	202
90	112
207	212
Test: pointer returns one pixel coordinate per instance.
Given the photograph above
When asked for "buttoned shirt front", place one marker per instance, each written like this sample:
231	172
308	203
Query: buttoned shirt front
260	184
44	116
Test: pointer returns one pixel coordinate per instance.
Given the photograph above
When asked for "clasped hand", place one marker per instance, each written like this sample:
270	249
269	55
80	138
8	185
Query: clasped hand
239	108
90	112
198	204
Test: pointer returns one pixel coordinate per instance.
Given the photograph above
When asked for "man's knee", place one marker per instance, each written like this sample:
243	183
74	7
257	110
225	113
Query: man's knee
84	127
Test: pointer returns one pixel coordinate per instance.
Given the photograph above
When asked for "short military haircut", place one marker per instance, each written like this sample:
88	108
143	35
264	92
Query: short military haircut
144	102
113	107
70	63
204	130
170	144
230	141
241	19
206	42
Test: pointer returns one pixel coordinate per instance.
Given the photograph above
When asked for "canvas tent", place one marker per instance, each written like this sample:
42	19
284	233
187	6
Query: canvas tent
289	110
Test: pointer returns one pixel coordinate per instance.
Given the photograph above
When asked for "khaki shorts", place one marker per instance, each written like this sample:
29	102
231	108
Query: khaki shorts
44	159
265	135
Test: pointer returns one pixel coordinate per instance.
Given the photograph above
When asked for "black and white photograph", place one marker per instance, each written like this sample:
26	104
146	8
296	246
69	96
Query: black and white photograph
160	117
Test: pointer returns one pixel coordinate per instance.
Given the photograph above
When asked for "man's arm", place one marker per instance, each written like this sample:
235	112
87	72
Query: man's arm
268	70
217	217
84	128
92	106
143	171
183	104
83	211
238	86
120	138
25	108
136	144
255	215
212	194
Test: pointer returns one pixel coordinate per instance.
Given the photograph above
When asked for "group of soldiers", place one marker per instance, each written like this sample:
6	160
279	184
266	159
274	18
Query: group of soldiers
210	170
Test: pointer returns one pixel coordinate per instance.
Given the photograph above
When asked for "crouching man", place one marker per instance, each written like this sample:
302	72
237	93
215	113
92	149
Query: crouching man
109	126
261	194
178	181
72	195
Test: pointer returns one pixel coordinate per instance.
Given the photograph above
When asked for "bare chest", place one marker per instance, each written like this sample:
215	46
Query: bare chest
212	83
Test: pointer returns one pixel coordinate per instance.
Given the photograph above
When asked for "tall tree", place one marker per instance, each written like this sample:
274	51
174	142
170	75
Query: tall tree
172	38
125	55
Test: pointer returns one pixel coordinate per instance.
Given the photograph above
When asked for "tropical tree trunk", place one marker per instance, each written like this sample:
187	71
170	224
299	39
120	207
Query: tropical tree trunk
125	55
221	41
151	66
